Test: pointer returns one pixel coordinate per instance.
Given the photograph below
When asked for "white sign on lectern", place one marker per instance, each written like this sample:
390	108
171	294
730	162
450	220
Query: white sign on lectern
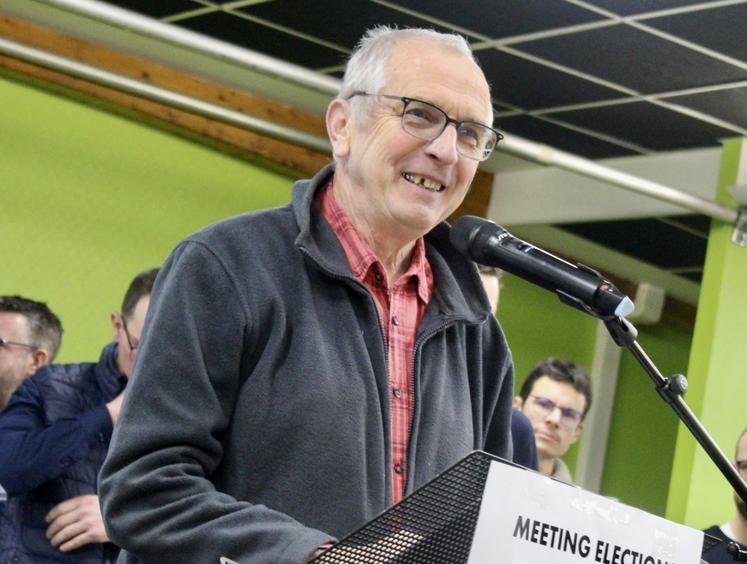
526	517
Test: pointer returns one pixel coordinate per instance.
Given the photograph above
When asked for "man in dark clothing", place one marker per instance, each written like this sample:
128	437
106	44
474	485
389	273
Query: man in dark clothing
54	436
30	336
736	529
304	368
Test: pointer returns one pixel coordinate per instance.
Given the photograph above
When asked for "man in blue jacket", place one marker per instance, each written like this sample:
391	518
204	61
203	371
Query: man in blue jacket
30	336
54	435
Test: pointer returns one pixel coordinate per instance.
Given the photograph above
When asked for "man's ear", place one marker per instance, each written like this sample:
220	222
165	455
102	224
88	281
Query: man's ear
577	432
116	324
339	127
39	358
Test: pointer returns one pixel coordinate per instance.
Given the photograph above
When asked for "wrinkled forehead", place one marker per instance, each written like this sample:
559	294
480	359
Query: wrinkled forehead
439	74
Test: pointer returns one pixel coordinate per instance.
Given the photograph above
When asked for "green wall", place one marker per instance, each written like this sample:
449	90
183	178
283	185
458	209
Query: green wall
644	428
88	199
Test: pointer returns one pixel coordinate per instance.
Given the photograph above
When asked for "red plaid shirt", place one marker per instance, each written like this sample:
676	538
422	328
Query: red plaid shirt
401	309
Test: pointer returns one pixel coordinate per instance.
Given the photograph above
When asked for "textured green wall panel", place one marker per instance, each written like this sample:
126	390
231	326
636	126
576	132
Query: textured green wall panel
88	199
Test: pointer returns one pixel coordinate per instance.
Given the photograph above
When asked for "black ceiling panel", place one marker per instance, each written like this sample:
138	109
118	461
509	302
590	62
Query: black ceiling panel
159	9
649	240
723	30
634	59
560	137
647	125
631	7
351	18
504	18
528	85
729	105
267	40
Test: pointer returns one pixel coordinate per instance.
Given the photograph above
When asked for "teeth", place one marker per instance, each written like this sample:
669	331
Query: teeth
424	182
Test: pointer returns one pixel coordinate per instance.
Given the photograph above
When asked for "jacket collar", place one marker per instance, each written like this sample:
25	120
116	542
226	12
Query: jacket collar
110	380
458	292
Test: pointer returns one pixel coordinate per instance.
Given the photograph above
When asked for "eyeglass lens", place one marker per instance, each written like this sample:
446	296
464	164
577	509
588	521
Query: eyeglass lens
569	416
426	121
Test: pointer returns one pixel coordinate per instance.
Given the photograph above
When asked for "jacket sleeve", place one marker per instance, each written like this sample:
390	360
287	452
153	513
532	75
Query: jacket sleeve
158	500
34	451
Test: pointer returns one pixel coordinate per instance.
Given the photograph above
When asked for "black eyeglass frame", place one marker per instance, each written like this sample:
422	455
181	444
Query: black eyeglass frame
457	123
568	412
4	342
133	348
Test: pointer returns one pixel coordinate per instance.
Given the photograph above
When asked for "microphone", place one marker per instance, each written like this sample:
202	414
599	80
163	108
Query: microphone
580	286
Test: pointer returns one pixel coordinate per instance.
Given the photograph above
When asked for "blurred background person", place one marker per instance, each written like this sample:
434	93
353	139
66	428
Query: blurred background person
30	337
736	529
556	396
54	436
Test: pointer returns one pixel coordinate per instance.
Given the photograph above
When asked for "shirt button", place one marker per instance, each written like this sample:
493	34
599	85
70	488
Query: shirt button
395	320
397	392
378	277
398	468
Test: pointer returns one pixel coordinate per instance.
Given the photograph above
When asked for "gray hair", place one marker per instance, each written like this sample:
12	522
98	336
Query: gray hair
368	66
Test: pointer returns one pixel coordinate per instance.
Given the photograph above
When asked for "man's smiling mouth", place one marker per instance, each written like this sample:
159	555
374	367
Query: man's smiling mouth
427	183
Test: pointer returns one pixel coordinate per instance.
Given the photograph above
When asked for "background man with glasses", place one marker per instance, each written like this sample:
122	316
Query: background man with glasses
30	336
304	368
556	396
736	529
54	435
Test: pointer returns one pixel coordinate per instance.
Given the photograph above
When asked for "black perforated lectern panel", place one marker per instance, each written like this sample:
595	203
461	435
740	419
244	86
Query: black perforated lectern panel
432	525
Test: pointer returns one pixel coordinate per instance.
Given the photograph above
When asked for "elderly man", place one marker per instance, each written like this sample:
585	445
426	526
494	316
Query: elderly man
736	529
54	436
30	336
305	368
556	396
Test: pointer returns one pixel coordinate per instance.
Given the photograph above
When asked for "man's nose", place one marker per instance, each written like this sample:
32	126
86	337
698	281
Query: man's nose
444	147
554	416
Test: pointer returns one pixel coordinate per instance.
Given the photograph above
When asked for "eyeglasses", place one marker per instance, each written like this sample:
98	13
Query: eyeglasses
5	343
134	347
569	417
742	467
427	122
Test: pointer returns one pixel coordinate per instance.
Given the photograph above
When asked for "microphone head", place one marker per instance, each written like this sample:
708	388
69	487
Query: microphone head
465	230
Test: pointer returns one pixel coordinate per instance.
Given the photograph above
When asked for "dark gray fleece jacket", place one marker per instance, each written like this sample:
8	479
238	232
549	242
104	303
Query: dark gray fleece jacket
256	422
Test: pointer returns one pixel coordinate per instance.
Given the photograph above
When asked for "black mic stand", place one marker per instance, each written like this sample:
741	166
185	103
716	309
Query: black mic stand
671	389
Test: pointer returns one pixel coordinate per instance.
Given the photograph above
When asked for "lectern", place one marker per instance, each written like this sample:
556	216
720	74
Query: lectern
438	524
